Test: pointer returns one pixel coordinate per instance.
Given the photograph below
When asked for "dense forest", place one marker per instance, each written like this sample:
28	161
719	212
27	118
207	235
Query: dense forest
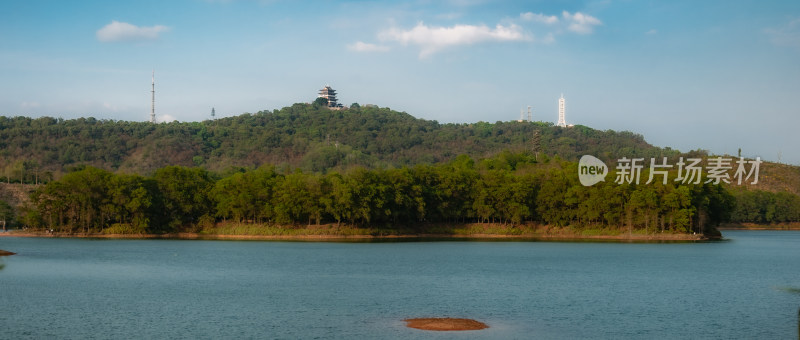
306	164
765	207
511	188
306	136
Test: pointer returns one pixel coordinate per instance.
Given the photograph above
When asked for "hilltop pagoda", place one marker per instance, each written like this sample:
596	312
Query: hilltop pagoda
330	94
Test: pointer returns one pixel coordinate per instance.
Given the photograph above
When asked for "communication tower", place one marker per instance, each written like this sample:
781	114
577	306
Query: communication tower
153	98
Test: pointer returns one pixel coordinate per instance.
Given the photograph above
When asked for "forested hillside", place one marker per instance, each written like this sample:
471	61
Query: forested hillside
304	136
350	147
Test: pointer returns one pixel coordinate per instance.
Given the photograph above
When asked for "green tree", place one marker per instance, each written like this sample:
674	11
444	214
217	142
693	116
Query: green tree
369	199
405	201
644	202
133	199
234	198
246	195
678	208
75	201
292	201
551	205
339	202
321	102
186	194
6	214
455	190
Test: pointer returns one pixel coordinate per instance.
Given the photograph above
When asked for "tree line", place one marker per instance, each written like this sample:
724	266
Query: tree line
510	188
765	207
306	136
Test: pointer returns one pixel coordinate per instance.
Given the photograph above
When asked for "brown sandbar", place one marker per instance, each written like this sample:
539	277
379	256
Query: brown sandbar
445	324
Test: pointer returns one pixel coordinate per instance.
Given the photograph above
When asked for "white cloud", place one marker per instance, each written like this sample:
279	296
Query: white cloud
788	35
360	46
580	23
123	31
651	32
539	17
432	39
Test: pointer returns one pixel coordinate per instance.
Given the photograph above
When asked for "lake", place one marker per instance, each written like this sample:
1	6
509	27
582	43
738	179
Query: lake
745	287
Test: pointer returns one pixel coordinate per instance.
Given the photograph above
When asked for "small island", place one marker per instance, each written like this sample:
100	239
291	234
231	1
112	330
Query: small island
6	253
445	324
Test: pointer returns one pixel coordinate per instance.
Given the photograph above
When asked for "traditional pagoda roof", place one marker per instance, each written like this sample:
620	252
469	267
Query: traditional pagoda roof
329	93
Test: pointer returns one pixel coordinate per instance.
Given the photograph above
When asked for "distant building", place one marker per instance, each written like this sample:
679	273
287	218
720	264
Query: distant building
561	108
330	94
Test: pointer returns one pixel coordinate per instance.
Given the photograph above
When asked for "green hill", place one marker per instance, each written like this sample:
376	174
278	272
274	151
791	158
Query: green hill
304	136
328	144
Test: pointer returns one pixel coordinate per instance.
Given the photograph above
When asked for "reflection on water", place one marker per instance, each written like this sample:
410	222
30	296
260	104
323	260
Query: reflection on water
793	290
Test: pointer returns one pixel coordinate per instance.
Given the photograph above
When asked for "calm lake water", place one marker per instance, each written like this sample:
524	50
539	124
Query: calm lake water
78	288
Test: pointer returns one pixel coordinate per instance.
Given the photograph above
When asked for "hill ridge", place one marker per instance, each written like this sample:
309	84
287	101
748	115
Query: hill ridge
302	136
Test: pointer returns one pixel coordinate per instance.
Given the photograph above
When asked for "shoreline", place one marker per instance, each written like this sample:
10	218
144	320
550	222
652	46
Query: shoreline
760	228
755	226
368	238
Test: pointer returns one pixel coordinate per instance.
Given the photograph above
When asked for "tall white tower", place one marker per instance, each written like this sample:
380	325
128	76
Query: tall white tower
153	98
561	105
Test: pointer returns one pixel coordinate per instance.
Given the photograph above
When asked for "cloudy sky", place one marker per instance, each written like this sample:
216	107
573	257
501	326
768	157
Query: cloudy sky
717	75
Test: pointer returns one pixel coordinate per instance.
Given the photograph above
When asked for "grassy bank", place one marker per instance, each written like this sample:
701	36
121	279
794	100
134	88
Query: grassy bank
757	226
252	231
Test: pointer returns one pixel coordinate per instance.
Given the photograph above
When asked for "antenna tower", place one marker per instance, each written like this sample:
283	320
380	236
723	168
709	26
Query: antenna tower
153	98
529	114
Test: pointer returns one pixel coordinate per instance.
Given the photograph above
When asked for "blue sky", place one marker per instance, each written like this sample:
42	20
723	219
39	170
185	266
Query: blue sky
717	75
